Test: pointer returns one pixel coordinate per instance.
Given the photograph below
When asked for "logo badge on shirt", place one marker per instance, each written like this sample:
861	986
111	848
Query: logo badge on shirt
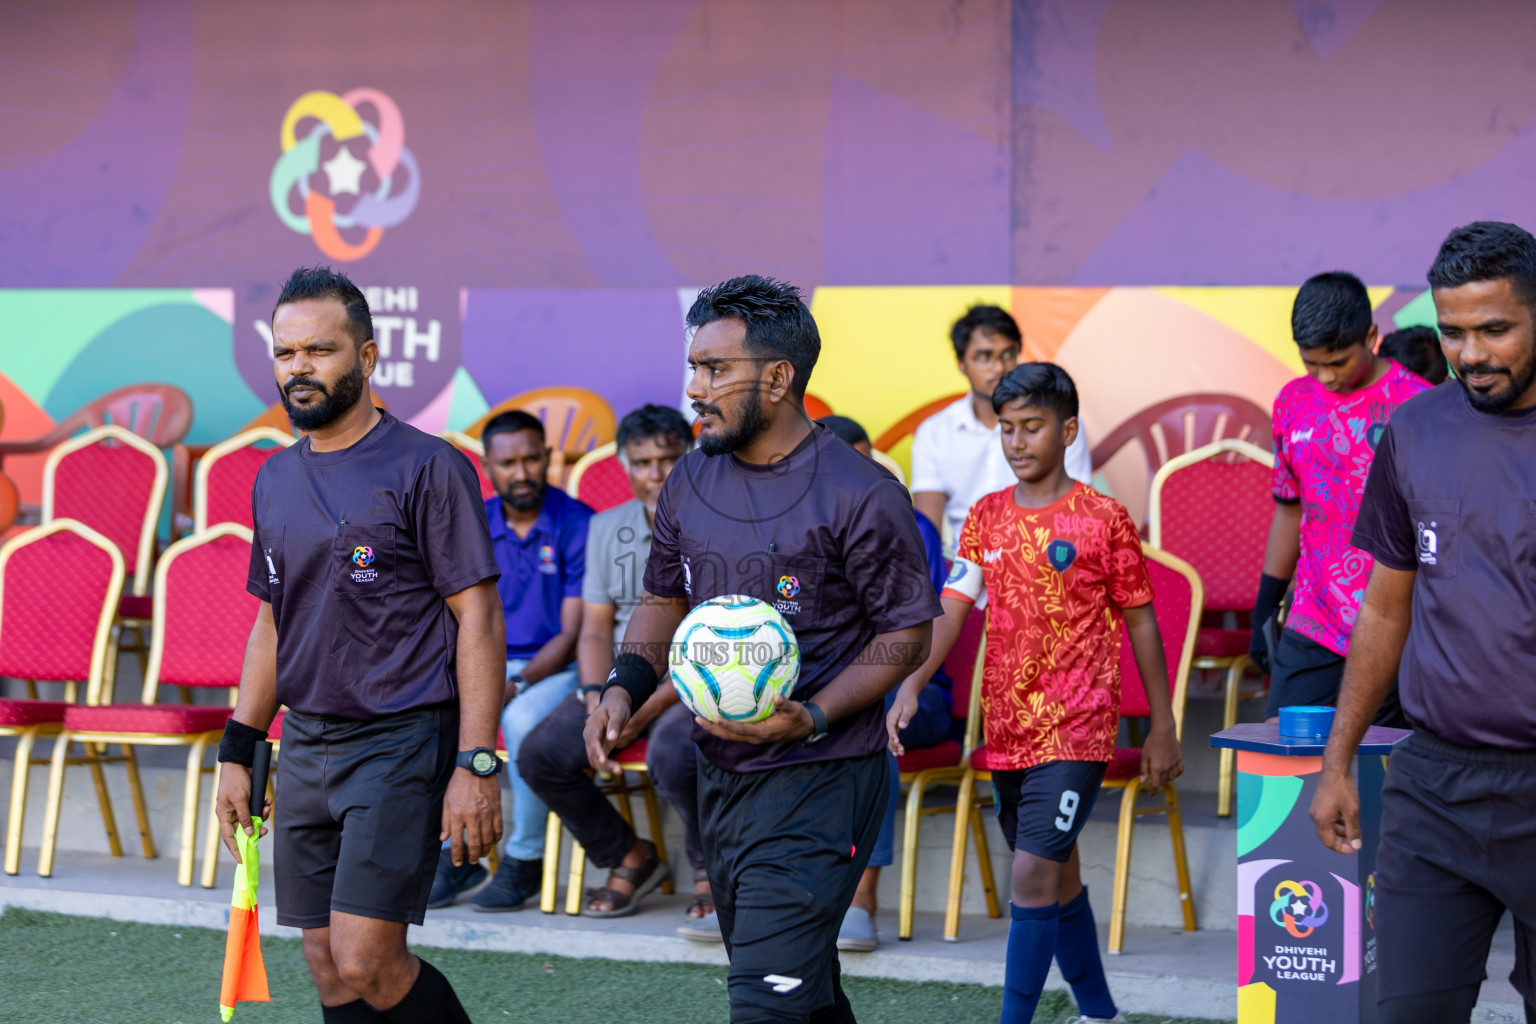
1429	543
547	559
687	578
272	579
956	570
991	555
788	587
1061	554
362	557
1298	436
1373	434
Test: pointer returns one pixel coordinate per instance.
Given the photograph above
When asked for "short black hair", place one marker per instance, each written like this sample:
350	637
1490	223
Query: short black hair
1418	350
983	318
778	323
1044	384
1487	250
661	422
846	428
325	283
511	422
1332	312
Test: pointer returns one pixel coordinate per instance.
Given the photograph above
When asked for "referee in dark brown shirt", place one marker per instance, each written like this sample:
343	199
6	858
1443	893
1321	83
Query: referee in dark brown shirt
1449	513
380	629
789	808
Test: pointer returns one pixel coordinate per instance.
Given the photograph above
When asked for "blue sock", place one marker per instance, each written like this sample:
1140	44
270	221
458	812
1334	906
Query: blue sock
1077	951
1031	945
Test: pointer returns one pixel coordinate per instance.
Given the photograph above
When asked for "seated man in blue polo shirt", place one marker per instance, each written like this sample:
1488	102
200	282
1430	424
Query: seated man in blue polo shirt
539	536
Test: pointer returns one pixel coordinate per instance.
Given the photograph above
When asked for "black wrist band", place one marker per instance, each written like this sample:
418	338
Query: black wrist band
239	743
635	676
1271	593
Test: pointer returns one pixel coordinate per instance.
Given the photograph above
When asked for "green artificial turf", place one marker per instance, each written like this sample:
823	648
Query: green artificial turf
57	968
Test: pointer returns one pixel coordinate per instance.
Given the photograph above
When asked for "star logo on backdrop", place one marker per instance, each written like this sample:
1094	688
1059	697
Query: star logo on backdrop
345	173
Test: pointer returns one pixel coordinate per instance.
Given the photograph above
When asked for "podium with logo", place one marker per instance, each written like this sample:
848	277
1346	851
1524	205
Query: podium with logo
1306	940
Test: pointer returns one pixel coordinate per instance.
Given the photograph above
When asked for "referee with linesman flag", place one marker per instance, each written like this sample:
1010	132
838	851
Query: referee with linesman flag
1449	513
773	506
381	631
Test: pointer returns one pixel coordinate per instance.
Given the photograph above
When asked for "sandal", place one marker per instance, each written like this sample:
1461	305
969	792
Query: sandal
701	900
644	878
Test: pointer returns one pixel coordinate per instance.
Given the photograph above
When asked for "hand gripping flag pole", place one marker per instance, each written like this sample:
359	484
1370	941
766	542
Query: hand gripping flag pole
245	976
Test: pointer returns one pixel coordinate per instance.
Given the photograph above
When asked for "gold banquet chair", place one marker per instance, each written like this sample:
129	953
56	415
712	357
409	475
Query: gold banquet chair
202	621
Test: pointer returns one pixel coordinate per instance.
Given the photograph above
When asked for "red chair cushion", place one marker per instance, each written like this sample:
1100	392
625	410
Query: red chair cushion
147	718
136	606
21	712
1222	643
634	753
1124	764
604	485
944	754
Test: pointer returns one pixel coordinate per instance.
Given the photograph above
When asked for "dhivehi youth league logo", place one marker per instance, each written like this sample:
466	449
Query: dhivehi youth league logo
369	183
362	557
788	587
1298	908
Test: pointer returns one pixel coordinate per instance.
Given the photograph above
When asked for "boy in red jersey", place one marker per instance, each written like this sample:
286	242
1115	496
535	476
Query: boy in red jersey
1062	565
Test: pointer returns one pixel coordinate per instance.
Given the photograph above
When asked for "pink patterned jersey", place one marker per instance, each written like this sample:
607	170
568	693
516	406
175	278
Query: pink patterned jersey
1056	579
1323	448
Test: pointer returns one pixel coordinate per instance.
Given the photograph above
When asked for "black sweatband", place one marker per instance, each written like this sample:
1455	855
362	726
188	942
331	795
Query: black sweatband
1271	593
635	676
239	743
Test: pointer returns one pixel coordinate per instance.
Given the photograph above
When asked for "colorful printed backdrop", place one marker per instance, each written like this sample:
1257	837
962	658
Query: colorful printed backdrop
531	189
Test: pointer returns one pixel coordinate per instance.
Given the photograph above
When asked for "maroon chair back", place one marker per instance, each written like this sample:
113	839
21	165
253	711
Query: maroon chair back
59	588
1176	602
205	611
1215	514
604	485
960	664
113	484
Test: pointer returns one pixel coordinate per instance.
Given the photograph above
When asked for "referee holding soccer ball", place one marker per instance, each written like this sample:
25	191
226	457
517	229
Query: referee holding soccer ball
775	507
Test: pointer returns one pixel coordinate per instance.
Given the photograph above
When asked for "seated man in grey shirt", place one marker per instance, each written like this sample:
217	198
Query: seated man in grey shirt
553	759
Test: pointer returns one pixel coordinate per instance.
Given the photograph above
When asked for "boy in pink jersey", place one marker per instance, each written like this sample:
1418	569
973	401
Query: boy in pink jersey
1326	426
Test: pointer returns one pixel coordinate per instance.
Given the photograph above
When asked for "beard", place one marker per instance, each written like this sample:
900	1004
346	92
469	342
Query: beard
750	423
526	500
1497	402
334	403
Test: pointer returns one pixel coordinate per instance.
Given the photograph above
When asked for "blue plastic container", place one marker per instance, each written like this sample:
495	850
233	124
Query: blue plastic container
1305	722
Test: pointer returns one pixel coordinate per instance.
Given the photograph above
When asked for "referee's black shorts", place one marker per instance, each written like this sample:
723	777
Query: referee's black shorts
358	813
1458	847
784	849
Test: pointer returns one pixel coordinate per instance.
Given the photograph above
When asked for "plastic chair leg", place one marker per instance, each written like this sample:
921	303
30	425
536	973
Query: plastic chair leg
575	885
551	880
1180	861
957	856
909	857
140	807
1227	776
103	798
984	859
1122	867
19	776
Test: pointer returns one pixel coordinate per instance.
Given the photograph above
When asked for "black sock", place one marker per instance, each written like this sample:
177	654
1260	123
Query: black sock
430	1001
355	1012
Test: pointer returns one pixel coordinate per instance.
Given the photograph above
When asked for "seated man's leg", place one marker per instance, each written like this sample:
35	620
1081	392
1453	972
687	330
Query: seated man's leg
926	728
672	758
790	844
520	872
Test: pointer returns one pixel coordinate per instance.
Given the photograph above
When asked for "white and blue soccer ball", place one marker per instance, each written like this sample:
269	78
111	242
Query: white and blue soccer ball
731	656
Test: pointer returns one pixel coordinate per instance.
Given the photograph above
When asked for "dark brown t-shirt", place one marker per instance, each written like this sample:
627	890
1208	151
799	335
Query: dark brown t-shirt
356	550
1452	496
828	538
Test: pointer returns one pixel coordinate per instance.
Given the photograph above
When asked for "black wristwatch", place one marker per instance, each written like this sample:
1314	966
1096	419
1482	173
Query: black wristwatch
818	724
482	761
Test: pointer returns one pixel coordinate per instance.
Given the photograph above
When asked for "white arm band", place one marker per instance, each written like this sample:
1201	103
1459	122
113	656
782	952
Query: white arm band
965	582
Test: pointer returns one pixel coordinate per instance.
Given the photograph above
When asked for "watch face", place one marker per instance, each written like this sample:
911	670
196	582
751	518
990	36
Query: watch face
483	762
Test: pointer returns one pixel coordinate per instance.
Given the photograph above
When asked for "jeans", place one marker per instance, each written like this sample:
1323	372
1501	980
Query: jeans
553	760
928	727
532	706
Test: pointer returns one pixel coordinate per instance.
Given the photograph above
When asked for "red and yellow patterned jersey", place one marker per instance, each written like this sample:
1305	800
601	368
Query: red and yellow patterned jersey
1056	579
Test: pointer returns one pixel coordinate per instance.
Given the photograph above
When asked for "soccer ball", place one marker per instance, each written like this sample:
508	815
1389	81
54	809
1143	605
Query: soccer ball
731	656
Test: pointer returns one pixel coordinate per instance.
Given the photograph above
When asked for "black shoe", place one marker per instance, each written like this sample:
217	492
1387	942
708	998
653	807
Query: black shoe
452	882
515	883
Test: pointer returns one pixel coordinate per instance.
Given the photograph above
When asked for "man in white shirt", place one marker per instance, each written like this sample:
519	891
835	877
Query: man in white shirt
957	453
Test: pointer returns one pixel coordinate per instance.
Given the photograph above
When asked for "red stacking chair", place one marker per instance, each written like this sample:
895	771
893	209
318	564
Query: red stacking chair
113	481
203	617
59	589
600	480
474	451
1176	602
1212	507
221	490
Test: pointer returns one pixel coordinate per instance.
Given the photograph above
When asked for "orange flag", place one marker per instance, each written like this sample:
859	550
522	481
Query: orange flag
245	975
